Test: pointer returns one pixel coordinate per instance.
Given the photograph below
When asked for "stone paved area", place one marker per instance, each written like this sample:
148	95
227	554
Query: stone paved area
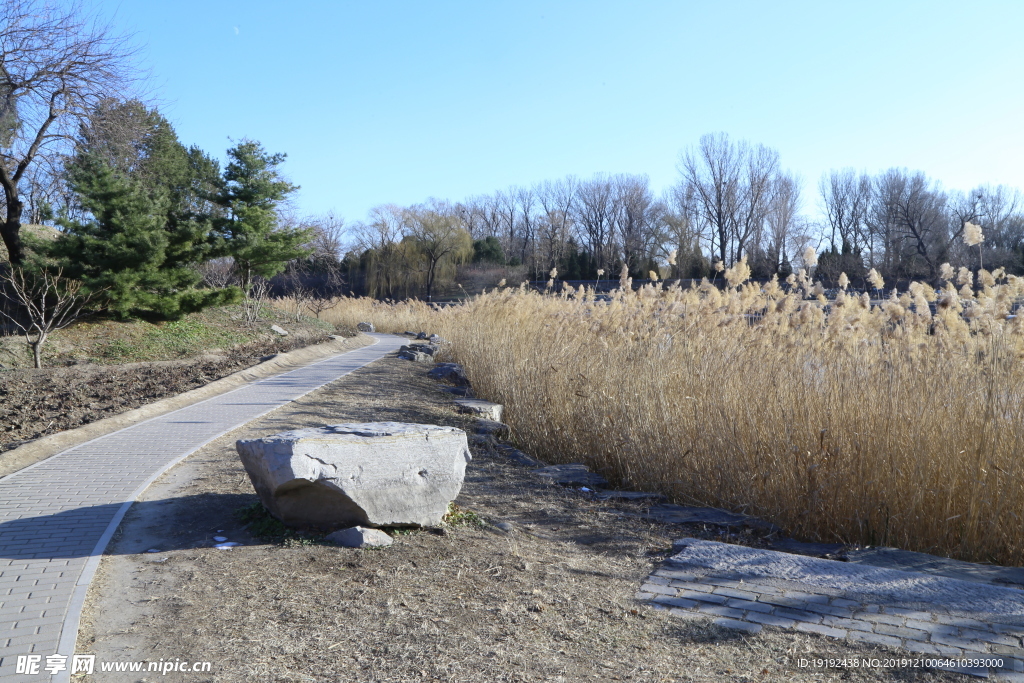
56	517
749	589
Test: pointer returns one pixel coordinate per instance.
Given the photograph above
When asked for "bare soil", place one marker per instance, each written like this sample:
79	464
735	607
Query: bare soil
552	600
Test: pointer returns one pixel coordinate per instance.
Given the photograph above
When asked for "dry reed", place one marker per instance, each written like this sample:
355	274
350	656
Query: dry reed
841	420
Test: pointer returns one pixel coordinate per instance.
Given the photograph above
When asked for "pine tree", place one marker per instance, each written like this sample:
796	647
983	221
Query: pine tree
250	192
126	248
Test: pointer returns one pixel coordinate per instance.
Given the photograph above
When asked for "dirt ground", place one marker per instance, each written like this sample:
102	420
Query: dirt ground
35	403
552	600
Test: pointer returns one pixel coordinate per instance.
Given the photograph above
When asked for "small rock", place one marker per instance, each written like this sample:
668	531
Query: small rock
504	526
360	537
416	356
226	546
449	372
421	335
485	409
220	539
435	339
492	428
280	330
518	456
220	531
366	327
153	550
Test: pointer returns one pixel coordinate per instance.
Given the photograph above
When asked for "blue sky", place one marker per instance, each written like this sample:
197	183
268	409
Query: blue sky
386	101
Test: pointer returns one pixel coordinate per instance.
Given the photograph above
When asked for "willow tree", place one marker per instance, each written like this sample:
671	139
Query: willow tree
439	241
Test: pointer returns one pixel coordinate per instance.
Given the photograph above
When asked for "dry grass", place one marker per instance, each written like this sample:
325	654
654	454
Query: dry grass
840	421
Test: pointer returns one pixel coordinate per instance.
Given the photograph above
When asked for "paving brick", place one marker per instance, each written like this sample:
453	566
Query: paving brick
922	648
963	622
890	619
734	593
657	588
989	637
908	613
843	602
829	609
659	580
821	629
751	606
737	625
692	586
848	624
955	641
807	597
1006	628
674	602
720	610
901	632
798	615
703	597
782	601
932	627
874	638
770	619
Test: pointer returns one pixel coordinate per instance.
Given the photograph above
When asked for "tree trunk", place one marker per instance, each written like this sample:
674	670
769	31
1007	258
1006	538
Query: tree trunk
37	351
10	230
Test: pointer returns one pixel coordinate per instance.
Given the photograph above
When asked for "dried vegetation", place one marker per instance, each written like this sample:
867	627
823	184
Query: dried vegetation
895	420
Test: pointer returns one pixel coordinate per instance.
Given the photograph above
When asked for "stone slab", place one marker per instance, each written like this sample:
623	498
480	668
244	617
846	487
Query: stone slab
894	558
867	584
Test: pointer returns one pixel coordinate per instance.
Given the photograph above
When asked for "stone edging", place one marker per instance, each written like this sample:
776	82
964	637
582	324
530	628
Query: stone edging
42	448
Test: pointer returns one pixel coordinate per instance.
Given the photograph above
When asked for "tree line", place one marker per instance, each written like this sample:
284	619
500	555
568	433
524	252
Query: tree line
733	200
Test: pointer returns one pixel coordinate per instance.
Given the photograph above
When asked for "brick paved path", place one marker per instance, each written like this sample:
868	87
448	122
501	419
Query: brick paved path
56	517
746	589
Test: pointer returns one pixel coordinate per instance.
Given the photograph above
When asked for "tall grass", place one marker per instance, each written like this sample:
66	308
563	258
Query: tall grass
841	420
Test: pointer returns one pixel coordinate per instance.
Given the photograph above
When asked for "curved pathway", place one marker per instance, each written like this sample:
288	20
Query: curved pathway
57	516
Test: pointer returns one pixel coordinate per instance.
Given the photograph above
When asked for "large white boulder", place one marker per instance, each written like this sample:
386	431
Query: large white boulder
368	474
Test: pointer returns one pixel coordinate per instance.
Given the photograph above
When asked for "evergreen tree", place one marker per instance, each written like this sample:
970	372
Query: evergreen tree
125	247
248	231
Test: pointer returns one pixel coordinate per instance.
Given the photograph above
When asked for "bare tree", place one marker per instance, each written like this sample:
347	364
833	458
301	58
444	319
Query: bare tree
846	198
712	172
255	299
782	217
218	273
637	220
44	303
56	65
594	216
554	227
